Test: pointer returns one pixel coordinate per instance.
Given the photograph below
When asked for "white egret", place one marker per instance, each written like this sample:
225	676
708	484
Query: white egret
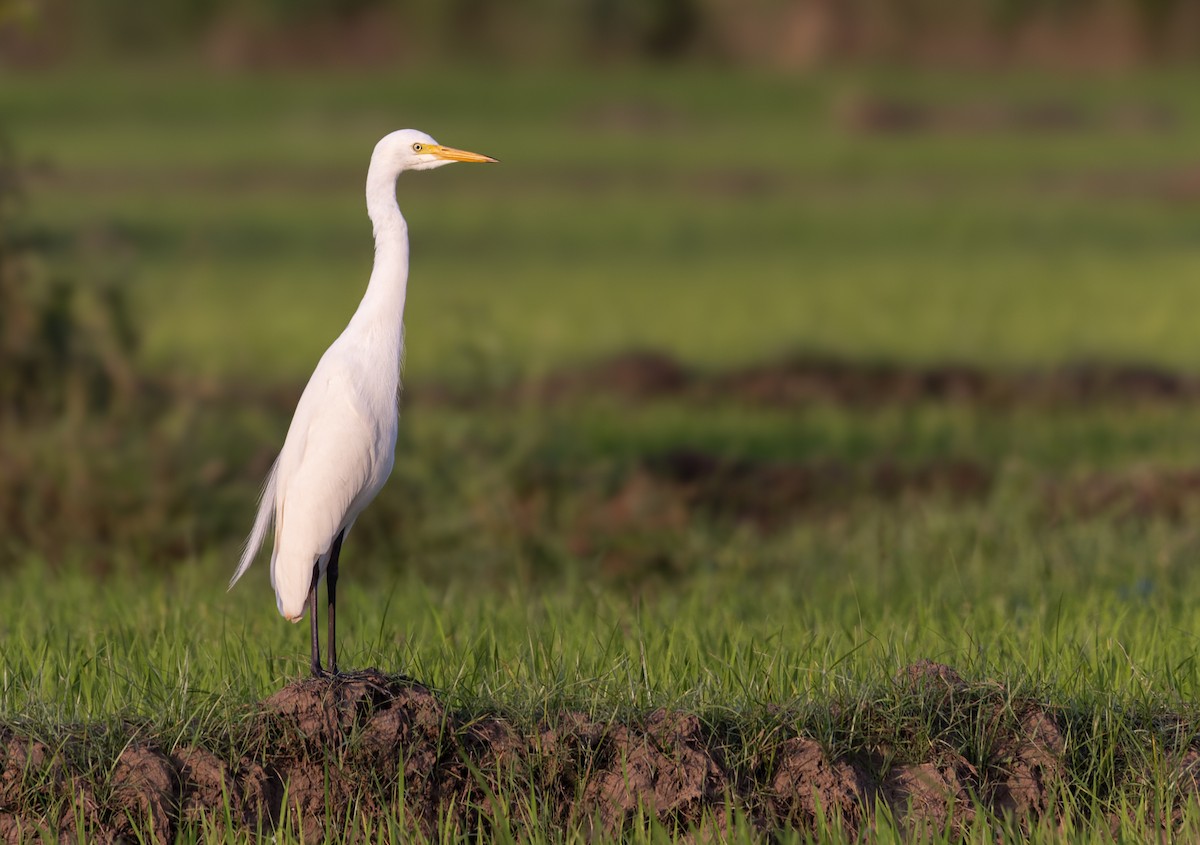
341	444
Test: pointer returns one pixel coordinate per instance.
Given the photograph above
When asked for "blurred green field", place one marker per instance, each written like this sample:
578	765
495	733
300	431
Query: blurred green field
717	216
516	561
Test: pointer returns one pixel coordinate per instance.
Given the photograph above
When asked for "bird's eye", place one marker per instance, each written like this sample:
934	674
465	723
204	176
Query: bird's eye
417	148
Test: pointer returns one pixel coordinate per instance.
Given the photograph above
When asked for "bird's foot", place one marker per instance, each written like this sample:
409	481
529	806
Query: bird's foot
370	678
330	674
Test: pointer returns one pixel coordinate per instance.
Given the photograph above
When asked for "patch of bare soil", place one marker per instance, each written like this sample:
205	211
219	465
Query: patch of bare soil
327	750
662	766
1029	764
807	785
145	790
931	797
641	376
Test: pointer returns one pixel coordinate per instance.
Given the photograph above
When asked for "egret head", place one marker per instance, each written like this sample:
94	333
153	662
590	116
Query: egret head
411	149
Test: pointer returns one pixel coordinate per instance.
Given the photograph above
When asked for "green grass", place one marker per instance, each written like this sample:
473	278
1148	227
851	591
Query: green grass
722	218
1079	614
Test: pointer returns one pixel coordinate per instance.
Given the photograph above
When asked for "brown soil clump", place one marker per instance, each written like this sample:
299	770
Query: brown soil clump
261	795
32	779
205	782
928	798
663	768
925	675
808	786
1031	767
324	713
488	763
144	794
26	763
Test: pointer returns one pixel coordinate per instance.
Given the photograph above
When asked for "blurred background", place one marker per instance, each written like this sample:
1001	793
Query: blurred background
746	266
774	34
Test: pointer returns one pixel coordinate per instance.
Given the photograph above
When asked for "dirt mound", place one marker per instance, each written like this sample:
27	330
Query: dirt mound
641	376
928	798
26	763
145	790
204	782
325	752
662	766
807	786
1030	766
927	675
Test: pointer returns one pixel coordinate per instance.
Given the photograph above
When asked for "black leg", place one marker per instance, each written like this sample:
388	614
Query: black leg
331	574
312	612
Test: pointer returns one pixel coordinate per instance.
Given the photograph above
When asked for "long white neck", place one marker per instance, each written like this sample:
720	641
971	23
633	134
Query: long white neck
382	307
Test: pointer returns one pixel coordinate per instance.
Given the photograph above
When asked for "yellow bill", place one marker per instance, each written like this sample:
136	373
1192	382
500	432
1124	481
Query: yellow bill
451	154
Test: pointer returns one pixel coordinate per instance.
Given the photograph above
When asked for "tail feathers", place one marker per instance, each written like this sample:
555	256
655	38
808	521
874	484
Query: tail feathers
262	524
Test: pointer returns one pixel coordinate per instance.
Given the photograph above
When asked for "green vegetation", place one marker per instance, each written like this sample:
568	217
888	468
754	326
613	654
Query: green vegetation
722	218
531	555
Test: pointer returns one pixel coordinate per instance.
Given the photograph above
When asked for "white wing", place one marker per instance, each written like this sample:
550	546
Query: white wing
338	452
